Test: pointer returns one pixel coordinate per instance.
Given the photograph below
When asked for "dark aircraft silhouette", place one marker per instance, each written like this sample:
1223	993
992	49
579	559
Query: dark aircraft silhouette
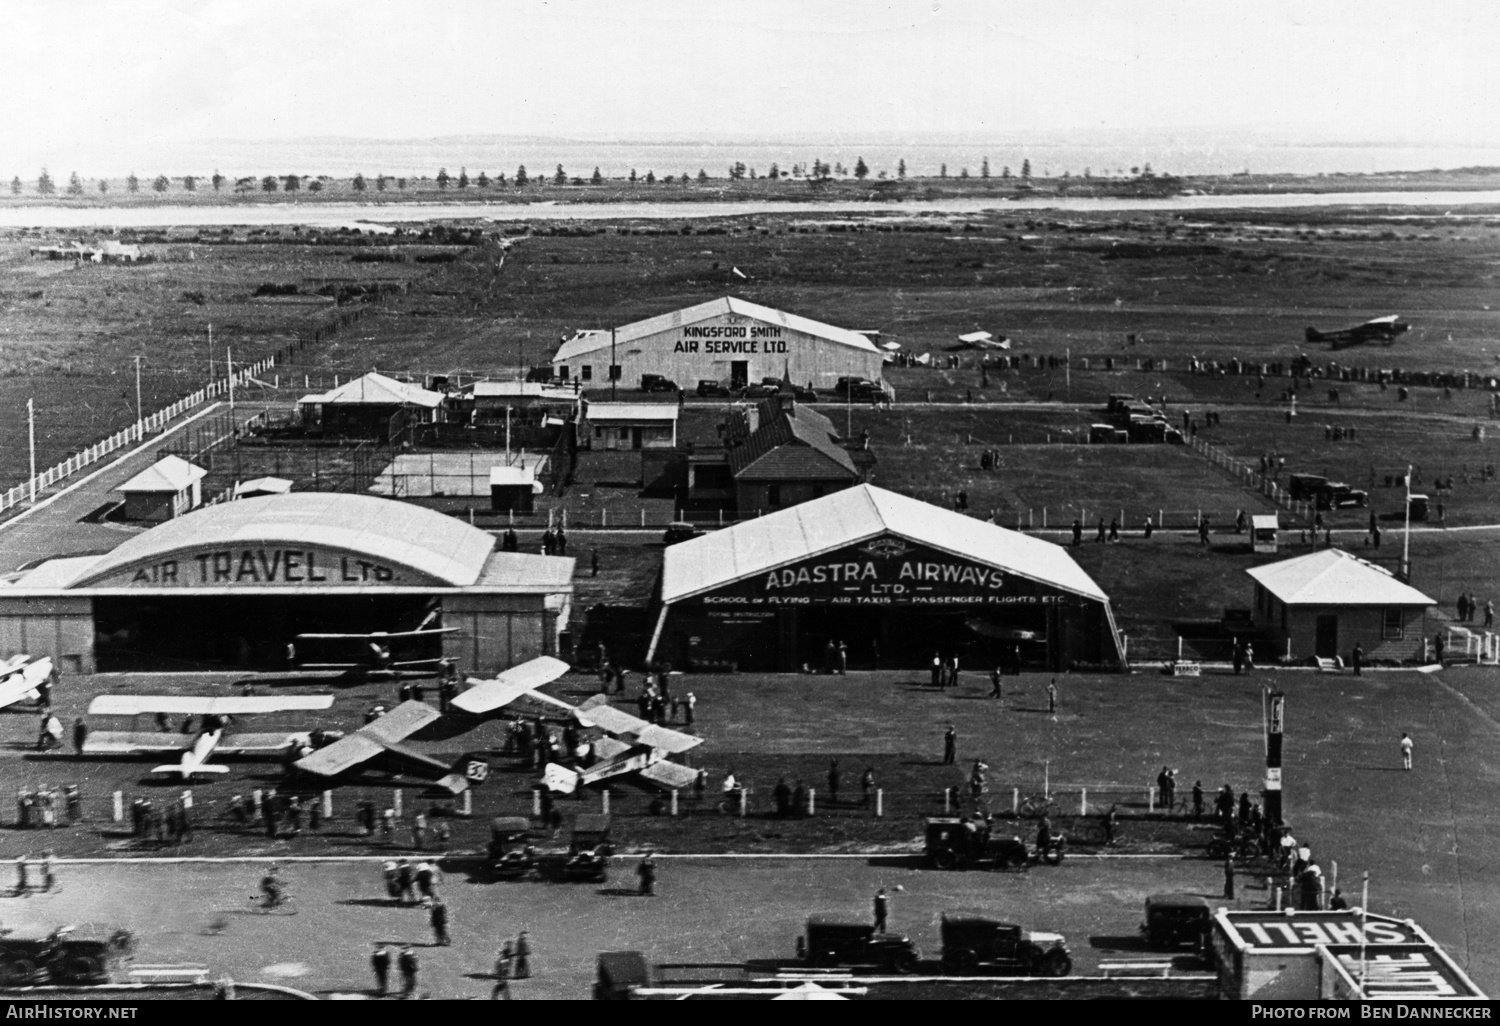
1381	329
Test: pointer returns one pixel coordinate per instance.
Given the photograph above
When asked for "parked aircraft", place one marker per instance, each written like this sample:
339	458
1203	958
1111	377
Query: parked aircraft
1381	329
211	739
632	747
377	747
20	677
982	340
372	653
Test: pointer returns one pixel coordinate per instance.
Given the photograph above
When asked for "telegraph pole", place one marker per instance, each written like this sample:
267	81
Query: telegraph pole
139	413
612	365
31	428
229	366
1274	711
1406	532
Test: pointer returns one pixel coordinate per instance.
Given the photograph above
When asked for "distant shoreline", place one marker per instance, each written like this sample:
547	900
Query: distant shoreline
746	190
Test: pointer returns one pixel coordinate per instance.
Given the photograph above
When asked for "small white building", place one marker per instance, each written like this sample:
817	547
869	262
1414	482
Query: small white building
730	341
630	426
168	488
514	488
262	486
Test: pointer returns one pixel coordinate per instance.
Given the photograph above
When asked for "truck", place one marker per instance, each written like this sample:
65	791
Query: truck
64	955
833	940
974	941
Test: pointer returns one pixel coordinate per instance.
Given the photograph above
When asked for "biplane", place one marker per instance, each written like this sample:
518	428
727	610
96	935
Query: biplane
20	678
631	747
376	652
213	736
380	747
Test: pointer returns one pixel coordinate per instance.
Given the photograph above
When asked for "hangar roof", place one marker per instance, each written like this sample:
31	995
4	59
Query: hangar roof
421	540
168	474
793	443
611	413
375	389
588	342
1332	577
851	516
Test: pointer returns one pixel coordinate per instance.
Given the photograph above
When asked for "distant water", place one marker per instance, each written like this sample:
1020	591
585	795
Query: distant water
578	158
375	217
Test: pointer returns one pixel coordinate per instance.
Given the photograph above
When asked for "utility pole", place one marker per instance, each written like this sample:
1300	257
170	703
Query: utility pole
612	365
210	353
31	428
229	366
139	413
1406	532
1274	711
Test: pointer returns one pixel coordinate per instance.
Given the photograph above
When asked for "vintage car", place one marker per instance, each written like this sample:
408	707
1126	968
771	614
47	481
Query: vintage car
589	849
833	940
67	955
658	383
973	942
679	531
619	973
708	387
1175	920
950	843
510	854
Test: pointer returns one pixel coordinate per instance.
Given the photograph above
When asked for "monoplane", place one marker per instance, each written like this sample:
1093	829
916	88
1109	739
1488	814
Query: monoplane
1381	329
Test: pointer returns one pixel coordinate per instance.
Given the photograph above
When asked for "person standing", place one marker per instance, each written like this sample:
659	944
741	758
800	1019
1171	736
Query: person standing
594	563
1439	646
407	963
1406	747
843	659
833	780
1238	657
950	746
882	910
81	729
1228	878
647	872
937	670
830	652
380	962
995	690
1357	659
523	956
953	671
867	787
1077	532
1052	696
439	919
1149	528
688	702
1489	613
1463	607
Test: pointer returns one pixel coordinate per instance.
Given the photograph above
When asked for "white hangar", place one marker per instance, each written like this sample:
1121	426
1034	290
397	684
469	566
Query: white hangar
727	340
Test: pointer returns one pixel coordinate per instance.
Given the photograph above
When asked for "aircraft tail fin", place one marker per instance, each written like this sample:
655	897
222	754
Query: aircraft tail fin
187	772
1313	335
472	768
560	779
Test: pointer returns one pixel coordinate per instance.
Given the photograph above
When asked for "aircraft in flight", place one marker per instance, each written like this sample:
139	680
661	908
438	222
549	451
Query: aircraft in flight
213	736
1381	329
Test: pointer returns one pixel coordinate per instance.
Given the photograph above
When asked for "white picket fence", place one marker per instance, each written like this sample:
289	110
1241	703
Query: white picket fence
1250	478
133	434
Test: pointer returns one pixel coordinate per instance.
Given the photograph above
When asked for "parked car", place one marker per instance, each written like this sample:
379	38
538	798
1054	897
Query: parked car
589	849
1173	920
658	383
757	392
837	940
679	531
973	941
857	389
70	955
713	388
510	853
950	844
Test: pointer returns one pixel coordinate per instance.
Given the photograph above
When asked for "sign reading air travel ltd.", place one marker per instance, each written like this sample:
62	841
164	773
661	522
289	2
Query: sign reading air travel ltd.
884	571
259	566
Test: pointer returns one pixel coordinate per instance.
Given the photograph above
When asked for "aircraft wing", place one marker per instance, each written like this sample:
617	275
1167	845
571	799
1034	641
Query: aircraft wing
489	695
257	744
670	775
135	742
241	705
631	728
370	741
20	681
378	635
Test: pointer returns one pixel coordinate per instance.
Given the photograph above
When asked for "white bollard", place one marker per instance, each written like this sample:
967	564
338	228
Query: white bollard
255	801
744	801
466	803
1151	798
604	801
327	804
119	809
187	799
947	801
1083	802
536	803
396	802
879	802
674	802
1015	801
812	800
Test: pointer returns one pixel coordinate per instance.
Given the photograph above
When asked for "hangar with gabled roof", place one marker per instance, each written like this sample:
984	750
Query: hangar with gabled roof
232	585
730	341
892	578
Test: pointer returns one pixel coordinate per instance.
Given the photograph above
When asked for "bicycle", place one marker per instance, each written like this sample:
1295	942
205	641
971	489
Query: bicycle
1038	805
278	904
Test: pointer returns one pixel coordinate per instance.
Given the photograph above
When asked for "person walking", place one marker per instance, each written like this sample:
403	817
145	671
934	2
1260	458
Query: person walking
689	701
380	962
1052	696
438	917
882	910
867	787
1489	613
81	733
1077	532
407	963
1237	657
1228	878
647	872
1357	659
1439	646
995	690
950	746
523	956
1406	747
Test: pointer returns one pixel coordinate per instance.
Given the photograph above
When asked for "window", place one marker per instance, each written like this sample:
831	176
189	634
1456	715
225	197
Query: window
773	495
1392	627
598	432
614	372
587	372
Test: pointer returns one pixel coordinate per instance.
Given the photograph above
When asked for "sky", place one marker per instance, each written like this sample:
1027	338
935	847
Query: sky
98	84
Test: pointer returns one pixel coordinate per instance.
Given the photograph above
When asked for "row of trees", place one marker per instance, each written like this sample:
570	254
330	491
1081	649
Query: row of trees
818	171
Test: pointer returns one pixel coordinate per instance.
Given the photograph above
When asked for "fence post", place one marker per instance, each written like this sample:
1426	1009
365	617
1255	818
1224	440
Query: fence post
119	806
643	518
536	803
465	803
744	800
812	800
327	804
256	798
947	800
1151	798
879	802
1015	801
674	802
396	802
187	799
604	801
604	518
1083	803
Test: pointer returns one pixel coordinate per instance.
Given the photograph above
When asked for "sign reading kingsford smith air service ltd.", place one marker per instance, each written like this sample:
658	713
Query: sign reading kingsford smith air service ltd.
730	338
885	571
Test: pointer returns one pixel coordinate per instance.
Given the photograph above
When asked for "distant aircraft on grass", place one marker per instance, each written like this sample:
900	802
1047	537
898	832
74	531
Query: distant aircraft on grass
212	738
365	654
20	677
1381	329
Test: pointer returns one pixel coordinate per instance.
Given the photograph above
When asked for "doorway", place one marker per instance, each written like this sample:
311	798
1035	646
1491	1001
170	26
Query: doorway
739	374
1326	640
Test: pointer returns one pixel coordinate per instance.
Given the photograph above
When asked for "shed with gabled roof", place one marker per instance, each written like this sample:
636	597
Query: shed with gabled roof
168	488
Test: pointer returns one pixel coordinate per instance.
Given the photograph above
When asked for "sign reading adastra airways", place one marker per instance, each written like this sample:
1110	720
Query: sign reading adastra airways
259	566
885	571
734	336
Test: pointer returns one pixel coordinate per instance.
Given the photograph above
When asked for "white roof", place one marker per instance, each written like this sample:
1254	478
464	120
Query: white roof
853	515
592	341
512	475
168	474
1265	522
1332	577
377	390
632	411
523	390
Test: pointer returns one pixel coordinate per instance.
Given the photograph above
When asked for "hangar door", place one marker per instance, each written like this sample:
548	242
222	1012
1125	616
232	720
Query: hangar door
246	632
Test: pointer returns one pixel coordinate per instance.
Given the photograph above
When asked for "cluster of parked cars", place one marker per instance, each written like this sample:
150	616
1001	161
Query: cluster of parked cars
972	943
853	389
1131	420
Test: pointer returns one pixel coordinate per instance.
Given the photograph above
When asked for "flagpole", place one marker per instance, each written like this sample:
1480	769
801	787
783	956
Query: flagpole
229	364
1406	531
